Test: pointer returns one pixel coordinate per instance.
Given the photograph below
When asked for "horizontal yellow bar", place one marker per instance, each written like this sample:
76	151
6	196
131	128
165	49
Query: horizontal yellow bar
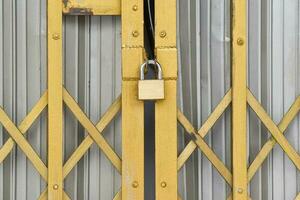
92	7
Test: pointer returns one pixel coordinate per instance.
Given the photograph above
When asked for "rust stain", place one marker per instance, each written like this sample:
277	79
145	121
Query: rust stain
65	2
80	11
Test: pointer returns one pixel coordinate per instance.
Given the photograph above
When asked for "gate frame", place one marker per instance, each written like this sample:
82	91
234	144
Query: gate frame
132	108
239	100
166	110
167	114
55	100
131	12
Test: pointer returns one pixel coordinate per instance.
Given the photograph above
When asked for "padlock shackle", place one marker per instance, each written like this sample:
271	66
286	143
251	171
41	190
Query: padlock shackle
151	62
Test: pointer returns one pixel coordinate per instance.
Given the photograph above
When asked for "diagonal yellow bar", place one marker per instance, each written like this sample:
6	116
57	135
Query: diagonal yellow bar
118	196
18	137
88	141
207	151
208	124
92	130
185	154
268	146
25	125
274	130
219	110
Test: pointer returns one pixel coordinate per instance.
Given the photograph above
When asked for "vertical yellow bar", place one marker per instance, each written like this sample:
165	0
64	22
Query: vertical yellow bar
239	104
166	110
55	107
132	108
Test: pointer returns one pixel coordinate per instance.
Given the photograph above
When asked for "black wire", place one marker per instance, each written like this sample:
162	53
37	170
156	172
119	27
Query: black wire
149	28
149	111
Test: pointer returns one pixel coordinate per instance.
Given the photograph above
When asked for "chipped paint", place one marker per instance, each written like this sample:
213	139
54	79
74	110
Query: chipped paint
80	11
65	2
91	7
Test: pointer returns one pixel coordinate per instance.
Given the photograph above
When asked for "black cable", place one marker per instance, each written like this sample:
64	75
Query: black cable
149	27
149	106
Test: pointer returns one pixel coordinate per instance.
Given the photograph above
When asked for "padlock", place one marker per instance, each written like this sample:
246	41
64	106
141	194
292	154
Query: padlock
151	89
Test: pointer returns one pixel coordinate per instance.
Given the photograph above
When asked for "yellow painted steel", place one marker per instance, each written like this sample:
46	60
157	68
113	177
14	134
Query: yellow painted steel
92	7
132	109
274	130
206	150
88	141
268	146
166	113
203	131
18	137
239	101
25	125
55	103
166	110
166	144
92	130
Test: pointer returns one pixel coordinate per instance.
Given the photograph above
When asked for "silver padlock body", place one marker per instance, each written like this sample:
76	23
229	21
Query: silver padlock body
151	89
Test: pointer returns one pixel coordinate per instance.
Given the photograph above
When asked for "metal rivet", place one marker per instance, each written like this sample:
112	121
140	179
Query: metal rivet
135	33
240	41
163	34
135	184
56	36
135	8
55	187
240	190
163	184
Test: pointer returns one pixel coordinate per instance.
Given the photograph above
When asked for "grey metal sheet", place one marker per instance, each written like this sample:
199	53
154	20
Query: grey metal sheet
92	74
273	77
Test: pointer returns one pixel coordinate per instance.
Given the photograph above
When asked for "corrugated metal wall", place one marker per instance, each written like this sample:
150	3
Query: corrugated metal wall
273	76
93	76
23	80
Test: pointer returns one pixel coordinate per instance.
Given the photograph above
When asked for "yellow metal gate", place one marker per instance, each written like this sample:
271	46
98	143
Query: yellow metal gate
131	166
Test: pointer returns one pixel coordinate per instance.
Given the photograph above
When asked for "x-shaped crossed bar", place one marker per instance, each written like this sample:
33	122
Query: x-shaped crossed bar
24	125
276	131
199	136
94	135
17	136
198	139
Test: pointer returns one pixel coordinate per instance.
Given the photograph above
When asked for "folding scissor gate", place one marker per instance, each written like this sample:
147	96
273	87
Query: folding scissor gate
131	166
132	110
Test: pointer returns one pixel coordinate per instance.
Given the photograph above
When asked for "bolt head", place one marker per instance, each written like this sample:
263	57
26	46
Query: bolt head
135	184
55	36
163	184
240	190
55	187
135	8
163	34
240	41
135	33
